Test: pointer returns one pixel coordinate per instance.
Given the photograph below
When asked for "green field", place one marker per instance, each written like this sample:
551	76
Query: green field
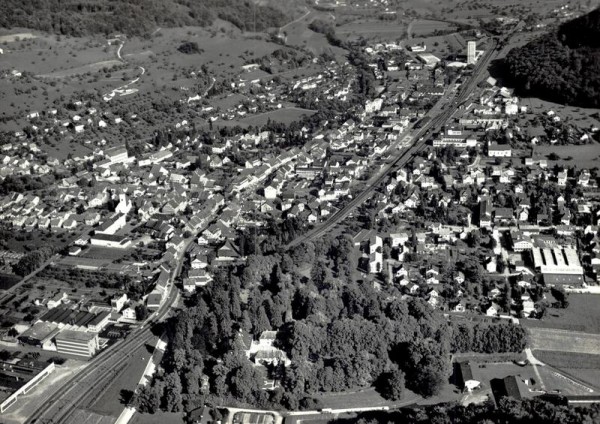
583	314
367	397
96	252
372	30
424	27
568	360
582	156
564	340
284	115
158	418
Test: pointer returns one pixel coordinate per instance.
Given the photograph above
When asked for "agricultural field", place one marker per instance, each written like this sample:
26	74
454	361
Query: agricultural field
425	27
283	115
583	367
106	253
582	315
564	341
374	31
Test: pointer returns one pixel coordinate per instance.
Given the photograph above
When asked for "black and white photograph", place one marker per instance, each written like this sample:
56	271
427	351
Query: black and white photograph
299	211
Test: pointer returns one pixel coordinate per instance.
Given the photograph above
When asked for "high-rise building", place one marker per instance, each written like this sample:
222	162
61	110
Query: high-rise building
78	343
471	52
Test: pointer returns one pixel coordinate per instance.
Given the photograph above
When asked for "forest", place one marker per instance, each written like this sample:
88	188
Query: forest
338	333
562	66
133	17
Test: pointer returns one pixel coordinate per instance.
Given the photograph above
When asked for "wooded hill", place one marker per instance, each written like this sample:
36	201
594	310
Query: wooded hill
133	17
562	66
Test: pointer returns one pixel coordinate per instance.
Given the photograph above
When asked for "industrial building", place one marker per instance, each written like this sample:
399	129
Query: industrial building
20	378
73	319
111	240
429	60
558	265
77	343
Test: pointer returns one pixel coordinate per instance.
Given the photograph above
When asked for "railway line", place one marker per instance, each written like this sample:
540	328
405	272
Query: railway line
81	390
419	143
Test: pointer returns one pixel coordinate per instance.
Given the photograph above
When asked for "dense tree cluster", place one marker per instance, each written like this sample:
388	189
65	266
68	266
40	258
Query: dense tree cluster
486	338
32	261
189	47
327	29
562	66
134	17
536	410
23	183
338	333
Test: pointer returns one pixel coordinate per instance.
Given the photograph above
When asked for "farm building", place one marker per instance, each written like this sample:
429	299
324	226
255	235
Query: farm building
464	377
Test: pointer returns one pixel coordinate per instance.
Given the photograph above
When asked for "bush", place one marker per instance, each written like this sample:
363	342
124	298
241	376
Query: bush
190	47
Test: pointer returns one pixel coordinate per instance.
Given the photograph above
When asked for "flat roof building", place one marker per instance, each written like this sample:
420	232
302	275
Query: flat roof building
429	60
20	378
558	265
77	343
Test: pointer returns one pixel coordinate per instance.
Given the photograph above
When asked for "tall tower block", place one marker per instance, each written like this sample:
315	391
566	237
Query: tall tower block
471	52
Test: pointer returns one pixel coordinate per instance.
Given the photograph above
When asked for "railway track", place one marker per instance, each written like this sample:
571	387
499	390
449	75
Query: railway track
419	143
101	370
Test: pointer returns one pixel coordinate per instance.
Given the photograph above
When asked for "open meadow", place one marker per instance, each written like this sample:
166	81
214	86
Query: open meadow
425	27
375	30
283	115
582	156
582	315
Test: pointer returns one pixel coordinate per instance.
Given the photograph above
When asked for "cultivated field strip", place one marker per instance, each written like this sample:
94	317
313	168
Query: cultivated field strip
564	341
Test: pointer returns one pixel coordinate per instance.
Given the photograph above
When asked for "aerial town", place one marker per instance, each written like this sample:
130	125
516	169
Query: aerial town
360	218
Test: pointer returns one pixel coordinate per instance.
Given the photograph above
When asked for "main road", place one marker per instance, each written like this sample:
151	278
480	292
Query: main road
418	143
81	389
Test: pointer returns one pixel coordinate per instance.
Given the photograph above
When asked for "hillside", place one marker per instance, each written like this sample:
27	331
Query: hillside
562	66
133	17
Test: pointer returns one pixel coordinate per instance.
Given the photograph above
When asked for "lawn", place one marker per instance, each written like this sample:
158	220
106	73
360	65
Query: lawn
284	115
158	418
583	314
96	252
364	398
